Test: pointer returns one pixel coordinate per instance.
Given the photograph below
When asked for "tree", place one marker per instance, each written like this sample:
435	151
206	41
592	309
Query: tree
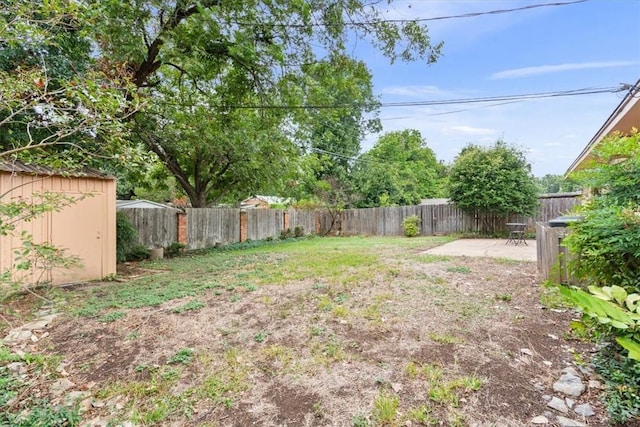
556	184
400	169
495	180
56	108
247	63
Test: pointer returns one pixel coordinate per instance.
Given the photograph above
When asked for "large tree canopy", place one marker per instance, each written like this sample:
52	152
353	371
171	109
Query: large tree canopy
493	179
399	170
241	69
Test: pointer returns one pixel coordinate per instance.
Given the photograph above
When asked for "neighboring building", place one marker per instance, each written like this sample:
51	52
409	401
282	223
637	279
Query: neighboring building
146	204
625	117
435	201
85	227
263	202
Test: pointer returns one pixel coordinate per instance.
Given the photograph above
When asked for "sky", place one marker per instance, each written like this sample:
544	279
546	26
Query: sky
593	44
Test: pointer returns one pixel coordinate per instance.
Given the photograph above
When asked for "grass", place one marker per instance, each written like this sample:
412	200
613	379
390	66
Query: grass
291	313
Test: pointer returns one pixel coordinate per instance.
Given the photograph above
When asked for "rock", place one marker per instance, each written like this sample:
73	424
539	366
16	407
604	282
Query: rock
17	335
567	422
547	363
40	323
526	351
569	384
585	410
595	384
74	396
397	387
60	386
98	404
18	367
540	419
585	370
85	406
538	387
546	397
569	402
97	422
558	405
553	337
570	370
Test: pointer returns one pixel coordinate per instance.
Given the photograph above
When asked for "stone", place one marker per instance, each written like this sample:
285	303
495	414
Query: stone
547	363
39	324
17	335
526	351
567	422
558	405
595	384
540	419
569	384
97	422
585	410
546	397
570	370
569	402
60	386
538	387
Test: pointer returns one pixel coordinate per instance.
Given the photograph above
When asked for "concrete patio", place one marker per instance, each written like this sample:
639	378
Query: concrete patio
491	248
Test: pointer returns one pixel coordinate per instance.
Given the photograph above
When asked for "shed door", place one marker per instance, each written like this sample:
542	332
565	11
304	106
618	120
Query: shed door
81	227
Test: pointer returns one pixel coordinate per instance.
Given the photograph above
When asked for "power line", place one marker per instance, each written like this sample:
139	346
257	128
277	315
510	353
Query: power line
459	101
397	21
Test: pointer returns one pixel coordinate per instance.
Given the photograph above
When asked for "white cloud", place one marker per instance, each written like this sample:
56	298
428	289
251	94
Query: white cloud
467	130
548	69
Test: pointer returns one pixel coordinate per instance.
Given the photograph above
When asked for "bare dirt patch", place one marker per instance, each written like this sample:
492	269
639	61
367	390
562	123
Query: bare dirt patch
324	350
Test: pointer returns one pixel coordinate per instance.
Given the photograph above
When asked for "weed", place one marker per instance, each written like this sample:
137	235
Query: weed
133	335
340	311
260	336
183	356
430	373
459	269
111	317
317	331
503	297
443	395
359	421
385	408
325	303
190	306
422	416
445	339
318	411
235	298
428	258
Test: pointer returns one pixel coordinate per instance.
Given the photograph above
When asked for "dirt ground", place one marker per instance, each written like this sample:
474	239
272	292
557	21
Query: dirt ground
316	352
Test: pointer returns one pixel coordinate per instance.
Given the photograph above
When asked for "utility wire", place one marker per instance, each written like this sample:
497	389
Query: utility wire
502	98
396	21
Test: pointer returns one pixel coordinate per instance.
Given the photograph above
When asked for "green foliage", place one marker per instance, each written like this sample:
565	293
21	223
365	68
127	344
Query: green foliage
175	249
550	184
411	226
622	390
30	410
125	236
190	306
183	356
496	180
400	169
138	253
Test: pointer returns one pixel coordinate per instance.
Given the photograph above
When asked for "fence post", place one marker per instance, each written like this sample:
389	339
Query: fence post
243	226
285	220
182	227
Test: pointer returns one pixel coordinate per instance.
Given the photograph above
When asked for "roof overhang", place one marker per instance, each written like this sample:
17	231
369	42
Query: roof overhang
625	117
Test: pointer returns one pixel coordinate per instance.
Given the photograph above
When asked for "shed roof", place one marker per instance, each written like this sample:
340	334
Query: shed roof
18	166
141	203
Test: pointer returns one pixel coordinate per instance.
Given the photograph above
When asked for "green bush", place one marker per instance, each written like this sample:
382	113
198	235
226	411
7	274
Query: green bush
620	377
137	253
175	249
411	225
298	231
125	236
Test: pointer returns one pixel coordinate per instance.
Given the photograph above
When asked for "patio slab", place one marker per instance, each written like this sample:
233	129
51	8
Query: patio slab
491	248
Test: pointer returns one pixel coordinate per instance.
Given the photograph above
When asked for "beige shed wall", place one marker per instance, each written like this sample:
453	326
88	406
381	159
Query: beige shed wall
86	228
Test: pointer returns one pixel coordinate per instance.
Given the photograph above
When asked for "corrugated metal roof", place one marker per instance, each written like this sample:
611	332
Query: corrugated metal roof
140	203
17	166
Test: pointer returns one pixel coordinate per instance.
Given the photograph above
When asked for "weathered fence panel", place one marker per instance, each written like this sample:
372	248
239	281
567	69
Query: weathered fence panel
157	228
302	218
264	223
552	256
208	226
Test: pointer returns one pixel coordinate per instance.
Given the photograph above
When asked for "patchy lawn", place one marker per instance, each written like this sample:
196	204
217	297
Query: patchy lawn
334	331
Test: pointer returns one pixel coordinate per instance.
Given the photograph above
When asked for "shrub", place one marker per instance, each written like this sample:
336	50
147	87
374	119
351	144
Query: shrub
125	236
298	231
175	249
137	253
411	225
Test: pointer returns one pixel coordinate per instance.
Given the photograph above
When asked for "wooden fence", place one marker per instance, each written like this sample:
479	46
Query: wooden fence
207	227
157	228
552	255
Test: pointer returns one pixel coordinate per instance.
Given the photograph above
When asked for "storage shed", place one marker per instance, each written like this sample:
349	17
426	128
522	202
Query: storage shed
84	226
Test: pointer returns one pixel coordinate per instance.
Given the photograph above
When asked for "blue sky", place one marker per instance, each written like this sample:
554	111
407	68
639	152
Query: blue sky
593	44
